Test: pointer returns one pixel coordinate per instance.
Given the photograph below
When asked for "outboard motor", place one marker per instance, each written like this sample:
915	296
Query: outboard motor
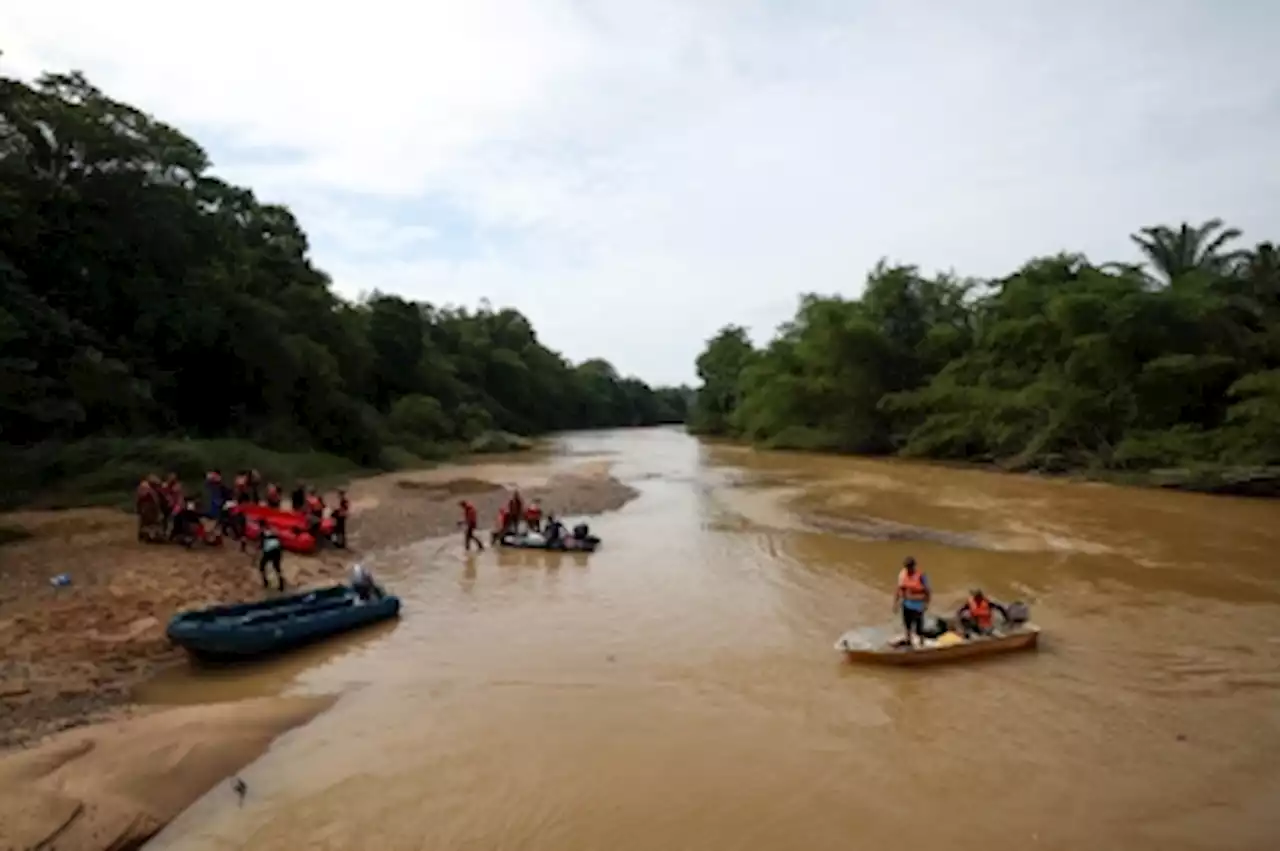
581	531
1019	612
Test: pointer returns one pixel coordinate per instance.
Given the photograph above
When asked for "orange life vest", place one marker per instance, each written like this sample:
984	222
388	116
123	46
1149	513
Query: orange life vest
533	513
980	611
912	585
315	505
468	513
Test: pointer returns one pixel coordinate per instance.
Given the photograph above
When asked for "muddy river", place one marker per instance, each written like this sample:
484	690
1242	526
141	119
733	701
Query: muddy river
678	689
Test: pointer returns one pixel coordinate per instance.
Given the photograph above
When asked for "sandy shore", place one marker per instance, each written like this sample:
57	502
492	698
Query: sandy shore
114	785
72	655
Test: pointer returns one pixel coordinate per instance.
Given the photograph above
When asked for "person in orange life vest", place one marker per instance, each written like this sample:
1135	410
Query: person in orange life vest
469	522
273	495
976	616
533	516
339	515
913	595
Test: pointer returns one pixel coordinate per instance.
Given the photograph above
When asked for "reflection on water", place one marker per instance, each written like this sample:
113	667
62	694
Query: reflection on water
677	688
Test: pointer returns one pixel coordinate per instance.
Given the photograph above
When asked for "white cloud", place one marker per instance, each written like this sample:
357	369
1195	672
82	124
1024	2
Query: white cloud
633	175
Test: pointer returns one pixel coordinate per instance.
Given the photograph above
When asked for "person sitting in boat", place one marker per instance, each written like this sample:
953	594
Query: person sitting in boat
362	583
272	551
554	532
913	594
976	616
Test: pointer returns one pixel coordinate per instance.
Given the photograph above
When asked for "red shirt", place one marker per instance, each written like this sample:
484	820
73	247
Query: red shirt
469	514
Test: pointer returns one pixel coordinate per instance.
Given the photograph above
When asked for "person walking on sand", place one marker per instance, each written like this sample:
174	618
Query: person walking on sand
470	520
339	514
271	553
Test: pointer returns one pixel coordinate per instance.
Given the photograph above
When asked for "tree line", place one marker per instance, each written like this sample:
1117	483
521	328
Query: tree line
1064	364
142	295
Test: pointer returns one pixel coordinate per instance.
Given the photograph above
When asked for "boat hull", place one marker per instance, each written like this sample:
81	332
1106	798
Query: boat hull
588	545
252	630
1025	638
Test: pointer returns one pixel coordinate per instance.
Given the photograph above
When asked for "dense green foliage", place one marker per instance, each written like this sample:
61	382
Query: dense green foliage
141	295
1062	365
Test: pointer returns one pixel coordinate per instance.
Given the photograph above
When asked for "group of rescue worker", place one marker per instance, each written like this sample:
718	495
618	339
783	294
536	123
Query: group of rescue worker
511	515
975	617
165	513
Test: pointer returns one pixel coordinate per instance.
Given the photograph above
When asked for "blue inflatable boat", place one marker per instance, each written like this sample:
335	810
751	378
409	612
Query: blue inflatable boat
246	630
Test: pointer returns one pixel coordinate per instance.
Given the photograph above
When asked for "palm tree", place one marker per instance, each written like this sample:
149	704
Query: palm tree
1176	253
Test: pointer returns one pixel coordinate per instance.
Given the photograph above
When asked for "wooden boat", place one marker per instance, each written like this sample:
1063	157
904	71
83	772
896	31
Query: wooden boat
935	651
246	630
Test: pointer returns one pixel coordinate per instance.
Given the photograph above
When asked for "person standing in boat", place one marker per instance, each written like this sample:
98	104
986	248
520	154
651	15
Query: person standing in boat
272	551
298	498
273	495
515	512
533	516
470	520
976	615
913	595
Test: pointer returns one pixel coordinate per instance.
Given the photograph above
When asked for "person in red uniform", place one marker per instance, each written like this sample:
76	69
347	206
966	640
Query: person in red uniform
339	515
314	511
533	516
150	515
242	487
515	513
470	520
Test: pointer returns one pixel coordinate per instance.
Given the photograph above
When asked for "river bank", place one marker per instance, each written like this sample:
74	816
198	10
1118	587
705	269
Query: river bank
115	785
73	654
1261	482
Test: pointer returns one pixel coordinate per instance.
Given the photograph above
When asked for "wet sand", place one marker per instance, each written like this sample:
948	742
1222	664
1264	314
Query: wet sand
113	786
73	655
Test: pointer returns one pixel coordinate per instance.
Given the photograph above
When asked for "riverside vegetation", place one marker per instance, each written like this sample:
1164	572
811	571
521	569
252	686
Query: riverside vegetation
1166	372
155	317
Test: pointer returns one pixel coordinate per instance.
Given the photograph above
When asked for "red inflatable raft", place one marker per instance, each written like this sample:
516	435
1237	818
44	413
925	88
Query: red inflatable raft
301	542
281	518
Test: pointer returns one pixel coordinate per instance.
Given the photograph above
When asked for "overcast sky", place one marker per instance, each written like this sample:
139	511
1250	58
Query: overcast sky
632	175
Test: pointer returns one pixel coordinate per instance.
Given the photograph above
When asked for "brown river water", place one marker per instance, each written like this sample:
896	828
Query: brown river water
678	689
